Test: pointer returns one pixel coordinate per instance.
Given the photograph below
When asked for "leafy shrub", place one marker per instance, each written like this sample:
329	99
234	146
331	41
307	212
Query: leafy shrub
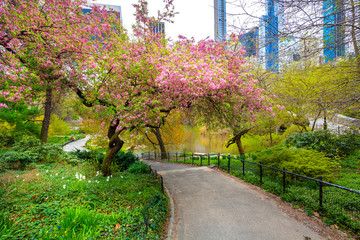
323	141
58	126
122	160
139	167
306	162
9	137
32	150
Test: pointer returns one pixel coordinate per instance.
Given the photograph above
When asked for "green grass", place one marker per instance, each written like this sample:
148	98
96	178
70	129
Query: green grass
57	201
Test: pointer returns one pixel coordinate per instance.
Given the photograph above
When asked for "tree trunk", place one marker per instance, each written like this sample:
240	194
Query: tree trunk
325	122
313	126
240	146
158	136
47	115
115	144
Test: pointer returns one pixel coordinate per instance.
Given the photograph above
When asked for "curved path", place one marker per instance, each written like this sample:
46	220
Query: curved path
78	144
210	205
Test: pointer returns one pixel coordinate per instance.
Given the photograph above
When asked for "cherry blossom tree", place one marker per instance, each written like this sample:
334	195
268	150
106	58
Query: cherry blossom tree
42	43
134	82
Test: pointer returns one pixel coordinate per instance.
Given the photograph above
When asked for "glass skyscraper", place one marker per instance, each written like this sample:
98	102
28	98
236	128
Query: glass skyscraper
220	20
250	41
333	31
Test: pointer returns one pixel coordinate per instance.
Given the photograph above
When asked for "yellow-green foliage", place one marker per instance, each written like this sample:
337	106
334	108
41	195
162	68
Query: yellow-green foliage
58	126
255	143
306	162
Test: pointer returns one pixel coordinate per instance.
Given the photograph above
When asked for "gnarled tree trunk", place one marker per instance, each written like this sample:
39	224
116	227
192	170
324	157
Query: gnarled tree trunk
47	115
115	144
237	139
158	136
240	146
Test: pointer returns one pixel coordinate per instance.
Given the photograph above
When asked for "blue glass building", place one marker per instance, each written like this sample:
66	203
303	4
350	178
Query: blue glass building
271	21
220	20
333	31
250	41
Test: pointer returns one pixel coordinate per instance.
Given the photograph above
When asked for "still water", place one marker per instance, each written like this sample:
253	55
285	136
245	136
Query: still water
205	142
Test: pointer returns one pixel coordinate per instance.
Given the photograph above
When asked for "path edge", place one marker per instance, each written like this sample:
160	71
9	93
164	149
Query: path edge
172	215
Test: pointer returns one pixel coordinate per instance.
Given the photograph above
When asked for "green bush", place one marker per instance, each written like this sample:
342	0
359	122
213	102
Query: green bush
139	167
58	126
122	160
9	137
31	150
306	162
323	141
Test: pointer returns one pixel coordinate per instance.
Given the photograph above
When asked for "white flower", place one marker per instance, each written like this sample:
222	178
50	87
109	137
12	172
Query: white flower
98	173
37	174
17	175
47	170
89	181
107	179
23	180
64	186
139	193
62	177
56	174
122	177
77	175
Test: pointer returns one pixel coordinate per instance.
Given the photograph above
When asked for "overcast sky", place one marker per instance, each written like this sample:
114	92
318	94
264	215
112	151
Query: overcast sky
195	18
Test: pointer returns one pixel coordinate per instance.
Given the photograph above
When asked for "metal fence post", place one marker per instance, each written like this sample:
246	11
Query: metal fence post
192	158
208	159
184	157
200	160
155	156
320	193
142	155
228	170
243	162
284	181
176	157
168	156
261	173
218	160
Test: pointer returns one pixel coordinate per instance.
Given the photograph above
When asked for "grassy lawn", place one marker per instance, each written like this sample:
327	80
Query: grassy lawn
61	201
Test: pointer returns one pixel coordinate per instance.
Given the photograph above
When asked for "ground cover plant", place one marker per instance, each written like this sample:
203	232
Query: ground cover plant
61	201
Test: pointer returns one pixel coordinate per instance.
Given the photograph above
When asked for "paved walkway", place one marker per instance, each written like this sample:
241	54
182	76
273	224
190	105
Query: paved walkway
210	205
78	144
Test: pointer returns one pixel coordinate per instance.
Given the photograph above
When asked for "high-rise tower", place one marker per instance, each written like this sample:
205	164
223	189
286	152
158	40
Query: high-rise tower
272	22
220	20
333	31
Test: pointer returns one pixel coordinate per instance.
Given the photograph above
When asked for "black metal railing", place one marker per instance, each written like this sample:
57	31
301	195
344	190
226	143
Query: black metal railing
338	203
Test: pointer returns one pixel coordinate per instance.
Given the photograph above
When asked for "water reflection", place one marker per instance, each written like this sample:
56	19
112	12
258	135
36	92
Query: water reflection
205	142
